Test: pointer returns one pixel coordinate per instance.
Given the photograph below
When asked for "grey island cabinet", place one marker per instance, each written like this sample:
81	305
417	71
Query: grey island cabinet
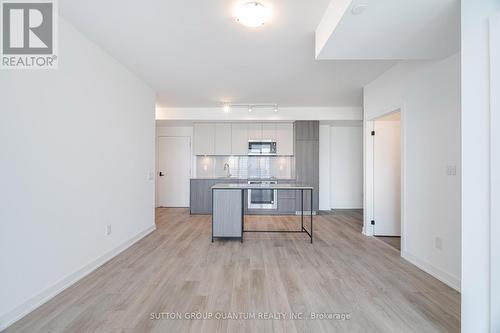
228	208
227	217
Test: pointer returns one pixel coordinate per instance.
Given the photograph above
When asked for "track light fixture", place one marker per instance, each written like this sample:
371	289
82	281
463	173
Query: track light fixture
250	107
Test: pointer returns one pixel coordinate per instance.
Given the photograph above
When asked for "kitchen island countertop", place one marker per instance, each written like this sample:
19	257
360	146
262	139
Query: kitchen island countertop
238	178
242	186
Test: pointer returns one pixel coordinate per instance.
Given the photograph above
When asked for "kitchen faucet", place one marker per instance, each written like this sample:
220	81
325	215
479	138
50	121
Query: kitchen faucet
226	168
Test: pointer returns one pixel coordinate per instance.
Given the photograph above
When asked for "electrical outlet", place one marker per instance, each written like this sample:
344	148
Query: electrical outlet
438	243
108	230
451	170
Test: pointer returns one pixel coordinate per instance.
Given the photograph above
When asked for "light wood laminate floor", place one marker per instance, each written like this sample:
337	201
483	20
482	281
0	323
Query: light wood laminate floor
177	269
395	242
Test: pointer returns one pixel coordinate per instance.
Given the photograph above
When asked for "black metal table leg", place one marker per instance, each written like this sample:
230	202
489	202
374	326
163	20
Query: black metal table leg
242	212
311	216
212	215
302	209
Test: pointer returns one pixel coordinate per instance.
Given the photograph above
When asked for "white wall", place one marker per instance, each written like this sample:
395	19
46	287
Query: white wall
324	167
77	149
428	94
346	165
340	165
495	170
480	182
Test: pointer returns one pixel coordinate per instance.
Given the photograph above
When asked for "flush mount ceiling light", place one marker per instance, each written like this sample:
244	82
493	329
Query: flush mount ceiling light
252	14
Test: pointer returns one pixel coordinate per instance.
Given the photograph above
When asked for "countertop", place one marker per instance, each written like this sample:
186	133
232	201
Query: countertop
230	186
237	178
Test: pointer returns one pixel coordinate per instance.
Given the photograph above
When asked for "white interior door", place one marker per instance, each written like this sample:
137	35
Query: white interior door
387	177
174	171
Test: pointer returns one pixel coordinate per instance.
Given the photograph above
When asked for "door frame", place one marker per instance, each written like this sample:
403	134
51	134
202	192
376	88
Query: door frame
369	194
157	162
494	28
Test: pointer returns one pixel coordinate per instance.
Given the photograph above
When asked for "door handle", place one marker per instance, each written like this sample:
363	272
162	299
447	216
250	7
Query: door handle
161	174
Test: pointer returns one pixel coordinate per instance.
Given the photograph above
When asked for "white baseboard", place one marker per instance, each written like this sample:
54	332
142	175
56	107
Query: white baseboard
366	232
367	228
439	274
22	310
347	207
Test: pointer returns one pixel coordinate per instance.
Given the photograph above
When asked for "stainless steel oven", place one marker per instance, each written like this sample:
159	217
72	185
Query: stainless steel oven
262	199
261	147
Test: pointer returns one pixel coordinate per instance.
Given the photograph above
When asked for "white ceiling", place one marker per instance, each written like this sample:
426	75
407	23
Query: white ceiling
194	55
390	29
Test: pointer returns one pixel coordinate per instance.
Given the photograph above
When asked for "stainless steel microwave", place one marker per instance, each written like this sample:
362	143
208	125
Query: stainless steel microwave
261	147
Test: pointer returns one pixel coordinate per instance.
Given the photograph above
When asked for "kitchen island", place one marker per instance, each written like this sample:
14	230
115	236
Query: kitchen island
287	202
228	208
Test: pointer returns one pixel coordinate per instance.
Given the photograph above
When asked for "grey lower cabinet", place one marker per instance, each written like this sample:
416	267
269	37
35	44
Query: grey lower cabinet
227	219
201	196
287	204
201	193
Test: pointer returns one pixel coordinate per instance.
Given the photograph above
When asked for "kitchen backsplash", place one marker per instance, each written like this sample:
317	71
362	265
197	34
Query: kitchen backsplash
246	166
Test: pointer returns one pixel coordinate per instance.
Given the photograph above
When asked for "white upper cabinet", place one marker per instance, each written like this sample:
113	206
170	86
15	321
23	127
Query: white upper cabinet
239	139
204	139
254	131
269	131
223	139
284	138
232	139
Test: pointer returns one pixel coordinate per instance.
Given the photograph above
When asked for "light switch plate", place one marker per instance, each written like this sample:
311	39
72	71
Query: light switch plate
451	170
438	243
